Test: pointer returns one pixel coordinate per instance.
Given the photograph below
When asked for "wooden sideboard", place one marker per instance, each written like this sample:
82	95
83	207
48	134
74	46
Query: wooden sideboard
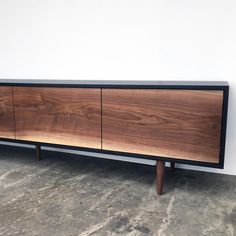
171	121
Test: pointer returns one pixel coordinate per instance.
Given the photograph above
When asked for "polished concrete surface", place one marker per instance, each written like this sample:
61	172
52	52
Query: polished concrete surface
65	194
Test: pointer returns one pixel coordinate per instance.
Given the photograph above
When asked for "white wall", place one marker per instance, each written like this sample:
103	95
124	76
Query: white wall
123	39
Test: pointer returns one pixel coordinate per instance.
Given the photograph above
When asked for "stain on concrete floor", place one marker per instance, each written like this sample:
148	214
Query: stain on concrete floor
65	194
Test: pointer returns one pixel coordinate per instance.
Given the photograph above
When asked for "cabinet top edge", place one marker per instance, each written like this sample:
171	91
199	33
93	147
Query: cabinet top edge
111	83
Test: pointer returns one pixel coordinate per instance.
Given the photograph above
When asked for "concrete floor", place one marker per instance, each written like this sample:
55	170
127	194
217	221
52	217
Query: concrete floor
65	194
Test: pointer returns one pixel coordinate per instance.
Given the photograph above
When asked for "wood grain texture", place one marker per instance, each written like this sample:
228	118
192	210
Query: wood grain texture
67	116
7	128
183	124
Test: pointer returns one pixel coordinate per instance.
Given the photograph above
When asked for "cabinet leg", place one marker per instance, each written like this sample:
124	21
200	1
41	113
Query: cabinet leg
38	152
160	169
172	166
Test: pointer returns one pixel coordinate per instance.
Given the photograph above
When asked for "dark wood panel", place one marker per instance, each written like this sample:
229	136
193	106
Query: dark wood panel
68	116
183	124
7	129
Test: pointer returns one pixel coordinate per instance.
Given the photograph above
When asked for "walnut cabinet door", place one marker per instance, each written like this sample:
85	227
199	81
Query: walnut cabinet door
66	116
7	127
183	124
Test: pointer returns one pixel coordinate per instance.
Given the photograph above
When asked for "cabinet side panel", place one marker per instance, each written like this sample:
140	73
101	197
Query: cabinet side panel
67	116
182	124
7	128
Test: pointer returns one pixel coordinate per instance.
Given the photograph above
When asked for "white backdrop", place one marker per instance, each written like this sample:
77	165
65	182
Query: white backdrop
123	39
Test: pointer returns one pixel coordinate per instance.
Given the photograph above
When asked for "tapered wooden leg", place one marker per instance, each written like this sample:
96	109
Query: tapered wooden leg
160	169
172	166
38	152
